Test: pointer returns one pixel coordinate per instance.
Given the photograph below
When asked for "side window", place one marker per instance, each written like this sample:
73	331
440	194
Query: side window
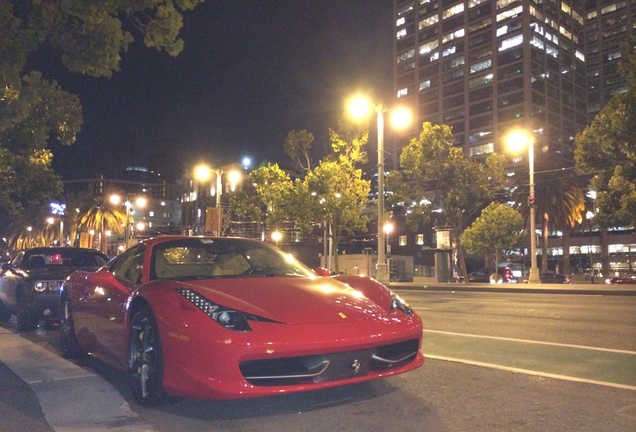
129	265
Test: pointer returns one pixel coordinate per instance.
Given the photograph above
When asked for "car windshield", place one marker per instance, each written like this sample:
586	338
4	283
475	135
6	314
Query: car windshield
205	258
54	258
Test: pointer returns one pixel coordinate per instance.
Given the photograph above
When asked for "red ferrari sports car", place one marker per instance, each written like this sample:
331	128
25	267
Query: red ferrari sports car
223	318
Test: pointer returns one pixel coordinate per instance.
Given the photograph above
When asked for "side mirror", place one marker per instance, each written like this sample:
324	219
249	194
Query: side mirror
321	271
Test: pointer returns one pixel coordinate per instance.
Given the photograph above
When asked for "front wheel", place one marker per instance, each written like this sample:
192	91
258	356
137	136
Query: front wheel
145	359
69	346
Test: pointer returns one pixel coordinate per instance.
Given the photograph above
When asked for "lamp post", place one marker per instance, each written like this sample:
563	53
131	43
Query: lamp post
139	202
201	174
517	140
359	108
589	215
234	177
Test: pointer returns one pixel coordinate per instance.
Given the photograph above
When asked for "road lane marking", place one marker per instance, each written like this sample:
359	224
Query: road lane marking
532	342
532	372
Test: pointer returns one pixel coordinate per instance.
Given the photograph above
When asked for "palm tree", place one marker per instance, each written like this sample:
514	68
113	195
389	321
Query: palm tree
561	201
32	230
100	214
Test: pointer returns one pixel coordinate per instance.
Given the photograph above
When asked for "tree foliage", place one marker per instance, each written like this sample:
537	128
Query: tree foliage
297	146
437	175
332	192
87	37
499	227
607	148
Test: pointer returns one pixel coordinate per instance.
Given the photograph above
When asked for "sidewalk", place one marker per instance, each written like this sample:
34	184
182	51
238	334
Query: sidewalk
575	288
51	394
70	397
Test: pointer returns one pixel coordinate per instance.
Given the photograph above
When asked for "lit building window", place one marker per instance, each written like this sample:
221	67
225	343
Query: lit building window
402	240
473	3
419	239
479	66
505	3
425	84
428	47
428	21
406	56
482	149
454	35
402	92
453	11
613	56
401	34
510	13
449	51
510	42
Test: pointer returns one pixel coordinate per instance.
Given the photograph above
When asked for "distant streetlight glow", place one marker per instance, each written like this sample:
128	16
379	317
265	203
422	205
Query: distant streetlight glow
277	236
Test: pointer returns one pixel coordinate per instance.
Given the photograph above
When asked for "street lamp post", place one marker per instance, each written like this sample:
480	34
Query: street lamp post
139	201
359	107
235	177
517	140
381	269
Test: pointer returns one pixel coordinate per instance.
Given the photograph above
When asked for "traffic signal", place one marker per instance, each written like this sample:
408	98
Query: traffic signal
531	201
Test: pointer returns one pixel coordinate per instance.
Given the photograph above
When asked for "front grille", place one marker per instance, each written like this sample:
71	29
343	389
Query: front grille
328	367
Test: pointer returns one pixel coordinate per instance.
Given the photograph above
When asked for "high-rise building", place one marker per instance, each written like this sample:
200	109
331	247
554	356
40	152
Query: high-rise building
487	67
607	25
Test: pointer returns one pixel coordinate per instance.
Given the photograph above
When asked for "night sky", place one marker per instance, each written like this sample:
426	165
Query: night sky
251	71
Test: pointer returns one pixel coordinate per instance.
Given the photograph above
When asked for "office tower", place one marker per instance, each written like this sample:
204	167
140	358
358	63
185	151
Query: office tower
488	67
607	26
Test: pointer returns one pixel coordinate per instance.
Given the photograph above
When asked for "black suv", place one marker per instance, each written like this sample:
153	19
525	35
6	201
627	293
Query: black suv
30	283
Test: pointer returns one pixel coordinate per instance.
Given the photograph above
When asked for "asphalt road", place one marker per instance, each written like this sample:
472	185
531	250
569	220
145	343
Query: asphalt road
496	362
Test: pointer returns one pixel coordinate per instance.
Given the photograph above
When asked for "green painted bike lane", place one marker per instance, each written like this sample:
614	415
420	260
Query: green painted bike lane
603	366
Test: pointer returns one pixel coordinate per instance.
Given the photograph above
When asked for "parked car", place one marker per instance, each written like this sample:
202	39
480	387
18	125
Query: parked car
221	318
487	275
627	278
554	278
30	282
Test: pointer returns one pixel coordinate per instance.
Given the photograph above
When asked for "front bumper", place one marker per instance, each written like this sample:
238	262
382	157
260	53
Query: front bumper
203	361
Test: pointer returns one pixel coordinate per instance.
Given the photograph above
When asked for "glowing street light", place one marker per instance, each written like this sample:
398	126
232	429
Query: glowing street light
360	108
517	140
140	201
277	236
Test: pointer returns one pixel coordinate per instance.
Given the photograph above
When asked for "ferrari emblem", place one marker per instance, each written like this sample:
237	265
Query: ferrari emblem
355	366
343	316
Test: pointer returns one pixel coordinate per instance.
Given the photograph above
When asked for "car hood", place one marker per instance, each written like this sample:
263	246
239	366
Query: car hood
291	300
52	273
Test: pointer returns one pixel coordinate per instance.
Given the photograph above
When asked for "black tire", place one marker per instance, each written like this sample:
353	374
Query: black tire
26	320
69	346
5	313
145	359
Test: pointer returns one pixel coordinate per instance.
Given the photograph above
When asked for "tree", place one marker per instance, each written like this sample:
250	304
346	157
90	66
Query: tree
607	148
100	215
88	38
431	166
499	227
337	195
297	146
561	201
332	193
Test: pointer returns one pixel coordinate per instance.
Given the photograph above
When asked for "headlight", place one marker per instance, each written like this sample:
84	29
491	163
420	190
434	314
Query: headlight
400	304
226	317
42	286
